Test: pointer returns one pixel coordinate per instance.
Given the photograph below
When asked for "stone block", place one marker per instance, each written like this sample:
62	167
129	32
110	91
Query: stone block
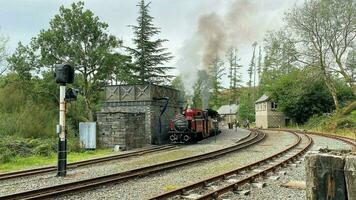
350	175
325	177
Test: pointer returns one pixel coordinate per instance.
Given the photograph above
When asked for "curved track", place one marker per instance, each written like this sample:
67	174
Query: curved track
98	181
347	140
222	177
36	171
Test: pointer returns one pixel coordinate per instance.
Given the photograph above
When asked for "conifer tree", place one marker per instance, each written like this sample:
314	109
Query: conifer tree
216	72
148	55
234	73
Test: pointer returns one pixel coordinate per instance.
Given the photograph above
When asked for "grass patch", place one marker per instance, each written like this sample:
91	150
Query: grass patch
171	187
342	123
21	163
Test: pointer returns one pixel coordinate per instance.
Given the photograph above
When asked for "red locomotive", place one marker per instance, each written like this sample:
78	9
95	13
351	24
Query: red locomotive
193	125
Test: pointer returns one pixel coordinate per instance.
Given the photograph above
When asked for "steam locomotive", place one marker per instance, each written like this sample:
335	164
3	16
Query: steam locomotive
193	125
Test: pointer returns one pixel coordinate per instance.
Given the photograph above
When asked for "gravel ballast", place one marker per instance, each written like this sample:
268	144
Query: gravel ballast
296	174
225	139
155	184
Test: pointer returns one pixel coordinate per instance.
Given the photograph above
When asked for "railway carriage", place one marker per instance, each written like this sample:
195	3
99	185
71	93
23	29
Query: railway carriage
193	125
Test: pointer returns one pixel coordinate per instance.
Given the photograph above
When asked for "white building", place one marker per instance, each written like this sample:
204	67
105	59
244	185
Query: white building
228	112
267	115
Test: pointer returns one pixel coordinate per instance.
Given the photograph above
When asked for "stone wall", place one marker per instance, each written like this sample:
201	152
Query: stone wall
145	99
119	128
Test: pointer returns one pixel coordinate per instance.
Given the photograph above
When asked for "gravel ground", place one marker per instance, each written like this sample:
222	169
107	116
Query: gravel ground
274	189
226	138
152	185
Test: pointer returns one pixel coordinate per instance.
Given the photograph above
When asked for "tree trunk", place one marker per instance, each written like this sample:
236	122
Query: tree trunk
88	109
332	89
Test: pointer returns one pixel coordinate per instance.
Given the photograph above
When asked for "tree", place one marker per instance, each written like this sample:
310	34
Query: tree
234	73
78	37
299	95
252	66
351	63
149	55
177	83
246	106
338	26
201	93
259	64
3	54
325	29
216	72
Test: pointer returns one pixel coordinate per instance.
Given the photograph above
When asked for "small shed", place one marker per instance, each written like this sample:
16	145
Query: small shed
228	112
267	115
87	135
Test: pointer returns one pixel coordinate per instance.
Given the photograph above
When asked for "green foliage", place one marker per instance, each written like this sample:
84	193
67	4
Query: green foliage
177	83
216	72
3	53
246	106
300	96
23	115
75	36
343	122
149	55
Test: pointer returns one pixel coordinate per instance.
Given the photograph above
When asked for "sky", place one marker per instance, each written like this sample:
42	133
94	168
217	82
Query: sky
20	20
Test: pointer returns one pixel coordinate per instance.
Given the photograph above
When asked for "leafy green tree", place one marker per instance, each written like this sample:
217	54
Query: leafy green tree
201	93
301	96
149	55
197	97
177	83
76	36
324	30
216	72
246	106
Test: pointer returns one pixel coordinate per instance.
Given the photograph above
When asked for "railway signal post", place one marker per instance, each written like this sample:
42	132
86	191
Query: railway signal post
64	74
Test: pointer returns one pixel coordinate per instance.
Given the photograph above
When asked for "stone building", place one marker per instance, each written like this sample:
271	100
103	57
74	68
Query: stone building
145	102
267	115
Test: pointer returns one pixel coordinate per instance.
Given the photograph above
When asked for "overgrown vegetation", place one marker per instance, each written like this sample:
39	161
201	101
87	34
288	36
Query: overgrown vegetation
343	122
29	94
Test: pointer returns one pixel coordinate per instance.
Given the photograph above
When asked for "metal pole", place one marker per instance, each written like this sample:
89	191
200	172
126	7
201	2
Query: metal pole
62	142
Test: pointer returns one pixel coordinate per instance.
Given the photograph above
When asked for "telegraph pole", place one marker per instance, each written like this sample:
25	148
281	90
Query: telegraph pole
64	74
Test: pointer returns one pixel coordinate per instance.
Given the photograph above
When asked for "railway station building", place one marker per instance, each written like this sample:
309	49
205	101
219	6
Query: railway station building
267	115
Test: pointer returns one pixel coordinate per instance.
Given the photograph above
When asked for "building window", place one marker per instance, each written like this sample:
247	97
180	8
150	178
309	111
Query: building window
273	106
264	106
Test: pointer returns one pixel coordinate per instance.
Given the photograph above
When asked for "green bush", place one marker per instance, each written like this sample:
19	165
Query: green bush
345	123
6	155
43	150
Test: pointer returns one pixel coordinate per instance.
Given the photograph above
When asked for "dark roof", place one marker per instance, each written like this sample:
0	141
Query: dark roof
263	98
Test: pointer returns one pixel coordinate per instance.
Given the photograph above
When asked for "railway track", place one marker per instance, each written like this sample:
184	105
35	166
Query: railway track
122	176
344	139
347	140
36	171
235	178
